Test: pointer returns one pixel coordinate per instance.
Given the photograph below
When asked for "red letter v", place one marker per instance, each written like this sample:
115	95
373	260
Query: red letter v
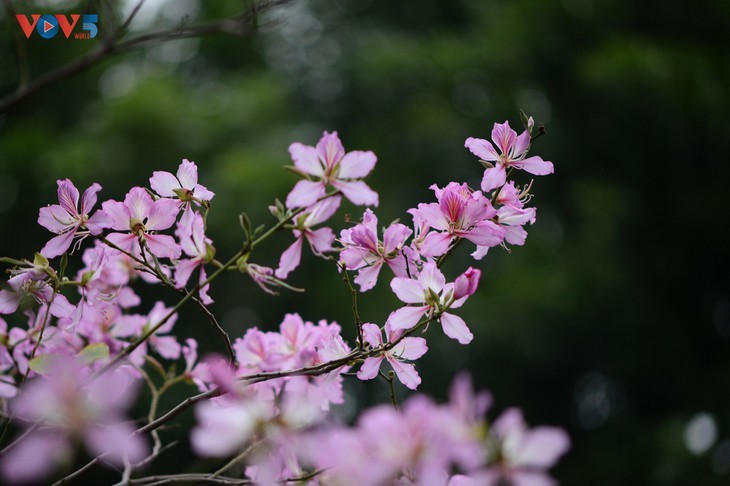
67	27
27	26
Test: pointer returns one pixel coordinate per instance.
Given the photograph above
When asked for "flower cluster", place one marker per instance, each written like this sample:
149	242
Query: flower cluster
69	369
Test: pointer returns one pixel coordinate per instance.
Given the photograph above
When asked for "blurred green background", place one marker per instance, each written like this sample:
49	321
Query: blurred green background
613	321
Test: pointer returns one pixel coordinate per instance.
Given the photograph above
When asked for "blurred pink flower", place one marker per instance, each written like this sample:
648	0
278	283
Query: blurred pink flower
183	186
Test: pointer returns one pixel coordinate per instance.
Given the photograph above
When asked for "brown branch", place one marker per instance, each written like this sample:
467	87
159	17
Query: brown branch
241	25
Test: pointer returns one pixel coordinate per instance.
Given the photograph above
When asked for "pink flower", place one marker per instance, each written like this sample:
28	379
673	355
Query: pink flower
143	218
521	456
184	186
513	150
431	294
459	213
409	348
366	253
67	220
191	233
320	240
329	163
68	406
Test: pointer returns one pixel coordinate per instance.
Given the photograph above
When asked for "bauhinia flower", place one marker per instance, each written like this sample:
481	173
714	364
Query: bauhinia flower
330	165
431	294
366	253
512	153
68	220
143	218
184	186
409	348
521	455
459	213
320	240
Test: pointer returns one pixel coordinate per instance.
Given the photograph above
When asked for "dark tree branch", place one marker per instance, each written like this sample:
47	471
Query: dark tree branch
241	25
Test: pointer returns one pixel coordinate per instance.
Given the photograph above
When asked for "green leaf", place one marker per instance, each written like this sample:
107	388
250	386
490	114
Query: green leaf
94	352
42	364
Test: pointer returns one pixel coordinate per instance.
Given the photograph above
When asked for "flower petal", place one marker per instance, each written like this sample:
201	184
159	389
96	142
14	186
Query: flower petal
357	164
358	192
494	178
290	259
455	327
408	290
305	193
405	317
406	373
187	174
370	367
535	165
481	148
306	159
164	183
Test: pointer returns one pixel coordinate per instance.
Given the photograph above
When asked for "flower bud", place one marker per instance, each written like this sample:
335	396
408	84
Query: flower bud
466	283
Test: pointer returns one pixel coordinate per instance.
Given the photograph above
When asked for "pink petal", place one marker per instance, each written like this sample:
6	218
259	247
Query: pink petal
494	178
187	174
98	222
88	200
406	373
138	203
119	214
163	183
55	218
408	290
166	346
395	236
431	277
9	301
125	241
372	334
485	233
306	159
358	192
435	244
321	240
68	196
367	276
515	235
61	307
405	317
542	446
357	164
503	136
305	193
290	259
535	165
116	442
522	143
162	214
355	258
35	458
432	215
183	270
322	211
455	327
203	291
481	148
410	348
480	252
370	367
202	192
330	149
163	246
58	245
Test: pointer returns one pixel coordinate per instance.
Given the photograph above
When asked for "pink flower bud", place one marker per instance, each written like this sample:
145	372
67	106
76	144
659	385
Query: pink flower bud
466	283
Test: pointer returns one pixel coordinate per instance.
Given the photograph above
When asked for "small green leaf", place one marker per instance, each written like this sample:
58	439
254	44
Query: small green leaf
42	364
63	264
94	352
